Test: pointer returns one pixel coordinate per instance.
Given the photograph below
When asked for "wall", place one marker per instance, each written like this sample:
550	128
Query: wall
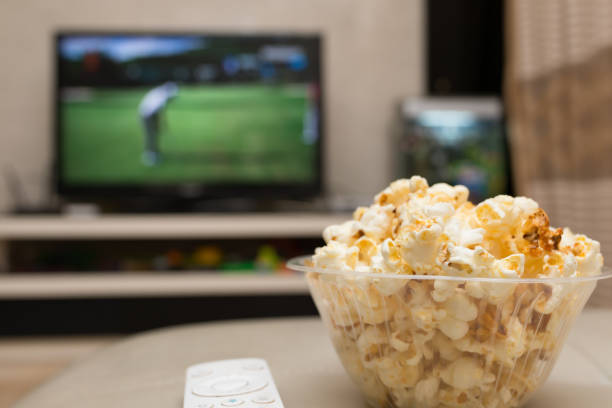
373	58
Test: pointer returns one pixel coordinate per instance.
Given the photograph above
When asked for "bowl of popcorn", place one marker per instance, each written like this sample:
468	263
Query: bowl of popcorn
432	301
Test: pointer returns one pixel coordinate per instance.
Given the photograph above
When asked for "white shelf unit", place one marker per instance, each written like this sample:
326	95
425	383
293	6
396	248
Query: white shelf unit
150	227
147	284
290	225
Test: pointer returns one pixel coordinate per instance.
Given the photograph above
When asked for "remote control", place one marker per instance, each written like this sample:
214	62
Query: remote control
243	383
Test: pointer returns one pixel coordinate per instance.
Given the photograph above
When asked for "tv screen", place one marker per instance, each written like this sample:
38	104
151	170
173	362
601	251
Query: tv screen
188	114
457	141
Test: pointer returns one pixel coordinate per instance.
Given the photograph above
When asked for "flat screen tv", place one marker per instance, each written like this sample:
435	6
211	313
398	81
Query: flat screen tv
457	140
188	115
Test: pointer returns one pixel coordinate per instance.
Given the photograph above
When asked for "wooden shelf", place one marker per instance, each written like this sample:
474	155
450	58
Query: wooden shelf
146	284
290	225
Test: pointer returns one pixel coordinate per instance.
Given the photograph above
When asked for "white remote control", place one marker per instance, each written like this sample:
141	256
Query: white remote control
243	383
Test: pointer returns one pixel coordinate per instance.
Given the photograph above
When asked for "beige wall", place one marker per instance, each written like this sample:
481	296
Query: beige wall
373	58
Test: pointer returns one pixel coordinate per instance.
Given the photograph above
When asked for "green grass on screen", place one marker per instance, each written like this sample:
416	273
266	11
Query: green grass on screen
211	134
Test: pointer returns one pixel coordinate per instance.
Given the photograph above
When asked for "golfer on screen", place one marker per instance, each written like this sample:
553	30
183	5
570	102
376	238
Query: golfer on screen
150	109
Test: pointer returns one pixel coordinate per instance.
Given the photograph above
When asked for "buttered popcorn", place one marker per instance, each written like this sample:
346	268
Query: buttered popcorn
436	341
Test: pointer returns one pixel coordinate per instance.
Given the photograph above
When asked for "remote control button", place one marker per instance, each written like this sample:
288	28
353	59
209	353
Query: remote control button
228	386
263	399
206	405
253	367
232	402
201	373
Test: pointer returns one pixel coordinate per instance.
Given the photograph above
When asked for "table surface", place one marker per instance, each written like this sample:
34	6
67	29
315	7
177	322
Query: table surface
147	370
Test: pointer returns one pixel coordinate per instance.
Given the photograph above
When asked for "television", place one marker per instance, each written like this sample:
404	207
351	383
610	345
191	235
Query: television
457	140
188	115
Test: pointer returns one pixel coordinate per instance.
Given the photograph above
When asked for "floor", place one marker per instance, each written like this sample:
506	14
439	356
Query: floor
27	362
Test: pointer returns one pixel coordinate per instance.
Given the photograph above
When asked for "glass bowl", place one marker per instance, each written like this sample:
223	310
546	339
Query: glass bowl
443	341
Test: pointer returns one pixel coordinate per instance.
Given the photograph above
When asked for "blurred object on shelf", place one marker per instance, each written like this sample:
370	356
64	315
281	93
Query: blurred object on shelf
267	259
251	255
559	96
160	263
17	193
238	267
175	259
456	141
81	210
283	270
207	256
134	264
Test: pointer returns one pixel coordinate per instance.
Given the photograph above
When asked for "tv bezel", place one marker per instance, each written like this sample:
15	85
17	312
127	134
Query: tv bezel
185	190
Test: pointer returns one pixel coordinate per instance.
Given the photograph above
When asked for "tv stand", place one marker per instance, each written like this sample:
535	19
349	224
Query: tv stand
205	206
237	291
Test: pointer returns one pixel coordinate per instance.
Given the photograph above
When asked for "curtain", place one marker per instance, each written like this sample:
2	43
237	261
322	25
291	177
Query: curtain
558	90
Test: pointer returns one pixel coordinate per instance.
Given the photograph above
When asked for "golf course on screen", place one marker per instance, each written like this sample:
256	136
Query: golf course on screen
216	133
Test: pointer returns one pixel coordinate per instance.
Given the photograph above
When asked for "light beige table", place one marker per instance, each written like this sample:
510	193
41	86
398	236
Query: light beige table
147	370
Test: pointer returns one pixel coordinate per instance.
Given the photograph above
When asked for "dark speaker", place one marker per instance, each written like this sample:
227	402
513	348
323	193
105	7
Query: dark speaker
465	47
